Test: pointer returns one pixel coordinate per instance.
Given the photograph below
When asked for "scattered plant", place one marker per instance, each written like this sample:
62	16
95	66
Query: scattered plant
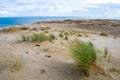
105	52
103	34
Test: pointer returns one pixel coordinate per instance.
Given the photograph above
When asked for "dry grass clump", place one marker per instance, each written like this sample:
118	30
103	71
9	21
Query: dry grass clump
37	37
85	55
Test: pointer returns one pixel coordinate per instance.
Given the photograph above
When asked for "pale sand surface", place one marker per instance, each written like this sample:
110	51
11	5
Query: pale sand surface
34	63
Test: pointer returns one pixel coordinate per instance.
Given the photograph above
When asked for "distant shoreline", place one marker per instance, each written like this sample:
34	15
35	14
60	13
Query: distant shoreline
11	21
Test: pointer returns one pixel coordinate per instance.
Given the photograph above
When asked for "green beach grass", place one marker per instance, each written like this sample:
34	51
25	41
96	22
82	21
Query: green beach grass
36	37
85	55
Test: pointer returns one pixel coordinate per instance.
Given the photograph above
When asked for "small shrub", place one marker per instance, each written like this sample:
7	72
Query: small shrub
65	38
79	35
61	35
103	34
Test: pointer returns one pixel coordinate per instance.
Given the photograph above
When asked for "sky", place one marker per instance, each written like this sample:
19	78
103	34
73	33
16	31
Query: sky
92	8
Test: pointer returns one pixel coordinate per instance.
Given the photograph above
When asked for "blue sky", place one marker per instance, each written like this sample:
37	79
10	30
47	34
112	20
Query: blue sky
92	8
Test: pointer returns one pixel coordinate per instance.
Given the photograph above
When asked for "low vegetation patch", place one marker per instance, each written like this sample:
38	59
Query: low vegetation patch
66	38
37	37
14	28
115	25
103	34
61	35
85	55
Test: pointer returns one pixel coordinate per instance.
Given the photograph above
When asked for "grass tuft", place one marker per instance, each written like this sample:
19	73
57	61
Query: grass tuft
51	37
61	35
37	37
66	38
105	52
84	54
103	34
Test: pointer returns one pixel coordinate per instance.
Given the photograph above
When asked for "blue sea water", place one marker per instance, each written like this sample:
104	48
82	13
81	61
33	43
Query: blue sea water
10	21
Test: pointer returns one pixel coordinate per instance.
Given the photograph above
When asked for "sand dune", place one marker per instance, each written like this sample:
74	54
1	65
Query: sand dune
52	60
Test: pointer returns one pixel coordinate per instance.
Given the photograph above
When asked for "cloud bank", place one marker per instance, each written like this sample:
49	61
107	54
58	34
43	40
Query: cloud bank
93	8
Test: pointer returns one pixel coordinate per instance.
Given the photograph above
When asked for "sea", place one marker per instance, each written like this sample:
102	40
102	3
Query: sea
11	21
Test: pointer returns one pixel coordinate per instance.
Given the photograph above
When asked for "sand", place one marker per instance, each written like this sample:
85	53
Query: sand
53	60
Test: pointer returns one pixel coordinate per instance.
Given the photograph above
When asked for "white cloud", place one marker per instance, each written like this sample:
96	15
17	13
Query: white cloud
5	12
56	7
101	1
118	11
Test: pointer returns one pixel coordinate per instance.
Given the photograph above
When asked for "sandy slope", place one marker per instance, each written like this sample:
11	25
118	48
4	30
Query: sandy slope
50	61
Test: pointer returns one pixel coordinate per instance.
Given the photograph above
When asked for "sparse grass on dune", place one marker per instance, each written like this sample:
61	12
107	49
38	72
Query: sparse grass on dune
39	37
14	28
115	25
77	32
51	37
85	55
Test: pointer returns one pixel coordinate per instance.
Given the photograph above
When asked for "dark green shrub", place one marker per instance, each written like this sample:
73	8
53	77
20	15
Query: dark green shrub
61	35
